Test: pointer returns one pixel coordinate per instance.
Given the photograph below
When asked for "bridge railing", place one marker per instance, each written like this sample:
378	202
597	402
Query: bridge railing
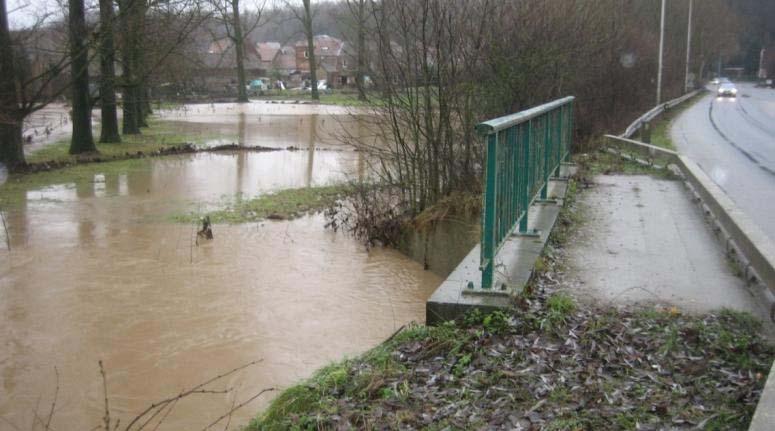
523	151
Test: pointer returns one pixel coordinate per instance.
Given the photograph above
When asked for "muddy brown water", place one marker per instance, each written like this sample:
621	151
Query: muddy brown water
95	272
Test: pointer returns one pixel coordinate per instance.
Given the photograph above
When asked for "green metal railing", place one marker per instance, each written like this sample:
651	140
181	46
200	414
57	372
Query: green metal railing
523	151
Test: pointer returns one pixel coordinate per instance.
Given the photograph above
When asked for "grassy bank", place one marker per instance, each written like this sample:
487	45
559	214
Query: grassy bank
14	190
605	163
554	367
159	135
282	205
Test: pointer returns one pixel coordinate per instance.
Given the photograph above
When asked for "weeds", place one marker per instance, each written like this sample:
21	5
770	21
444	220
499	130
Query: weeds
282	205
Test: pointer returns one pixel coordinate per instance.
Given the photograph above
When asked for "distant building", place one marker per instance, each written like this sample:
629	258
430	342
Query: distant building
221	66
276	61
331	60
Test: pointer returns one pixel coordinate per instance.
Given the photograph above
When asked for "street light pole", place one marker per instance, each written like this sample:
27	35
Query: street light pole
661	51
688	46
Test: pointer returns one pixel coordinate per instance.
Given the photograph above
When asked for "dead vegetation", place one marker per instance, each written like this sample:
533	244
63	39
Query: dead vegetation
155	415
379	215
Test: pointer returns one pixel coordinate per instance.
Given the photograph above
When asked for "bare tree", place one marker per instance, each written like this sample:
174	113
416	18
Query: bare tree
82	140
313	65
358	11
130	22
24	89
11	150
109	117
305	16
230	16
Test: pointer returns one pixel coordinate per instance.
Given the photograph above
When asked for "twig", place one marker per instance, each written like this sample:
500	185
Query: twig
191	243
5	227
233	401
53	403
237	408
106	419
194	390
10	423
393	335
169	410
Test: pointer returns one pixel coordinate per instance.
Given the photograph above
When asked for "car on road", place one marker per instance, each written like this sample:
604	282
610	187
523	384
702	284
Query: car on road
727	89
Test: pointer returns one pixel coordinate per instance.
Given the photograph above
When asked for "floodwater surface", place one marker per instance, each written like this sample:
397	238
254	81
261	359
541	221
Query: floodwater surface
96	272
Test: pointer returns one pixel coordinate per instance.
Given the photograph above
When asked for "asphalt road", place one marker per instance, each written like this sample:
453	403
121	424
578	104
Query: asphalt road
733	140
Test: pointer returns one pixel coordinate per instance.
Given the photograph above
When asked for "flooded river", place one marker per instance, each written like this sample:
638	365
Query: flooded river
96	272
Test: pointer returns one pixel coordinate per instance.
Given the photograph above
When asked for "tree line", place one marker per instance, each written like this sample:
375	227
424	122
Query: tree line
439	66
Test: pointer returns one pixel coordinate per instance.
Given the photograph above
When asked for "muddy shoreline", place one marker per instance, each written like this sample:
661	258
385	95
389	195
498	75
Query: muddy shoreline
175	149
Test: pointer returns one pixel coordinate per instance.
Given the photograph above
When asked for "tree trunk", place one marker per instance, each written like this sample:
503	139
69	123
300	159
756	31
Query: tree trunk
11	144
11	150
109	128
313	65
82	140
142	107
239	50
128	22
361	50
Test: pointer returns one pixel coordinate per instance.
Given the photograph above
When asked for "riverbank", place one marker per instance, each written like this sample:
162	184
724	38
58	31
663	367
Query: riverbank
547	363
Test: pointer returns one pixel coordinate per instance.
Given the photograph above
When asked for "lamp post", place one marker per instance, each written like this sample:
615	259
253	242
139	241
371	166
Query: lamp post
661	51
688	46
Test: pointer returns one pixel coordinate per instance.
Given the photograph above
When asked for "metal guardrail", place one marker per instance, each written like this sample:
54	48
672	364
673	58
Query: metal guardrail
523	151
655	112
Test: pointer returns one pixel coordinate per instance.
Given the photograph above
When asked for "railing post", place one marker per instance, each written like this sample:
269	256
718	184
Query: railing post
547	151
488	230
524	192
559	142
570	132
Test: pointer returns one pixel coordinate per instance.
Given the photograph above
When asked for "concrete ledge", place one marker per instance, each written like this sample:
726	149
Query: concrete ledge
749	239
764	416
514	263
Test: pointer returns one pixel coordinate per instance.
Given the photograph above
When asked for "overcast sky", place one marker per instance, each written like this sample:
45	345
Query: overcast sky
24	13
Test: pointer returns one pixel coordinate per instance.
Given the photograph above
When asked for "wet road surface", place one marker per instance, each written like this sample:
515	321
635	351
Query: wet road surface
733	140
96	272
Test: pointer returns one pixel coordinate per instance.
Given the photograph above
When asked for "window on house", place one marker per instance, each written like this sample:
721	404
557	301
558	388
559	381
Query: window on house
306	53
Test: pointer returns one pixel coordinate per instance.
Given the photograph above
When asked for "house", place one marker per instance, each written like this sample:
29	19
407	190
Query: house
220	65
285	61
332	60
278	61
267	53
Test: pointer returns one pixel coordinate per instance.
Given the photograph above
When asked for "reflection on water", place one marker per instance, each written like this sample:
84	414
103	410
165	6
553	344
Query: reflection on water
94	274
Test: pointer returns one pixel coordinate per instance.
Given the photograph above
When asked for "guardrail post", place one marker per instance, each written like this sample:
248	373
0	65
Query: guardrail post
488	230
